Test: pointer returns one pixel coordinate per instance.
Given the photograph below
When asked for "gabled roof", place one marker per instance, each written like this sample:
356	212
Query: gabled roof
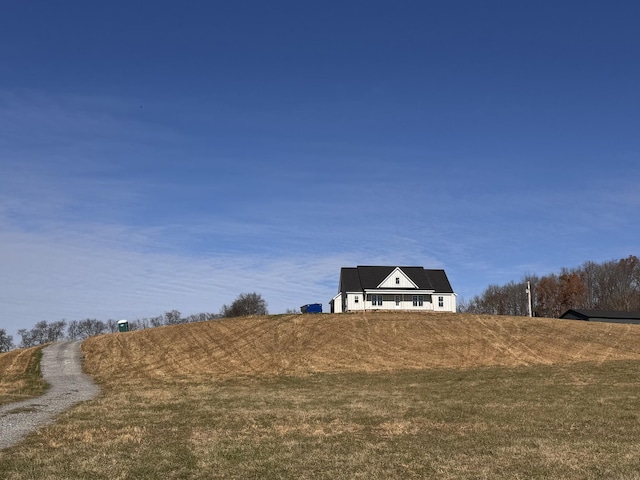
366	277
582	314
392	280
349	280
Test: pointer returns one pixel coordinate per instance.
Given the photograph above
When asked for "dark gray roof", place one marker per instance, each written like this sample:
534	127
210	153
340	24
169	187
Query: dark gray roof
349	281
440	281
364	277
582	314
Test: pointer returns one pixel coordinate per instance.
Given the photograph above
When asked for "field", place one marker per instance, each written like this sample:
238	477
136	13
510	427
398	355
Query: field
20	376
372	396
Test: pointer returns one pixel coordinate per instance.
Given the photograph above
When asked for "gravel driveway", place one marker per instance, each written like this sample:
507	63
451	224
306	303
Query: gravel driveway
62	369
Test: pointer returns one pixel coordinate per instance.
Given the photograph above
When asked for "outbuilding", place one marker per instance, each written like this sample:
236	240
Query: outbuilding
609	316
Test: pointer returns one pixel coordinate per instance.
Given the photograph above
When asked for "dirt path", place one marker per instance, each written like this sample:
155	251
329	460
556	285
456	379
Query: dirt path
62	369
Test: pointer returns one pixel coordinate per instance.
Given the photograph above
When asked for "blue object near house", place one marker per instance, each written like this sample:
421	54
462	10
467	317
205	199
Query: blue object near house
311	308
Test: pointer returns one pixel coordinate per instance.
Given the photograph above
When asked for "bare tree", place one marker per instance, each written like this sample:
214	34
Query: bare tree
55	331
590	273
89	327
625	290
202	317
6	341
173	317
156	321
42	333
111	326
245	304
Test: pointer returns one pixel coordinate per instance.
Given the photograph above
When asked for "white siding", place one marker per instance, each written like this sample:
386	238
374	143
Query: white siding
355	301
448	302
397	276
337	303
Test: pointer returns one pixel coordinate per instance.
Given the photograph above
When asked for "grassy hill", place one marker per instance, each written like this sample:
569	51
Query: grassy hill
20	375
363	342
369	395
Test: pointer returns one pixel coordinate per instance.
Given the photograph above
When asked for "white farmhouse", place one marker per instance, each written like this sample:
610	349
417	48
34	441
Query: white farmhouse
393	288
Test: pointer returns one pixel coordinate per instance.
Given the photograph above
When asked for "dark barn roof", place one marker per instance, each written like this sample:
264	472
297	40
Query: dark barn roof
364	277
602	316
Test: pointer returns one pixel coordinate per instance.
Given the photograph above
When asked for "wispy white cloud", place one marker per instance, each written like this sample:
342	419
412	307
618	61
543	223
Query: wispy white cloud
49	277
99	217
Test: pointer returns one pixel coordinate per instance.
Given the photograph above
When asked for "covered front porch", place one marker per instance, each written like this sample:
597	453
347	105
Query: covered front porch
419	300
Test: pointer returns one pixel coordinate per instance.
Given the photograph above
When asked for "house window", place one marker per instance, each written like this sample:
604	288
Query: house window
376	300
398	300
440	302
418	300
415	300
356	299
397	280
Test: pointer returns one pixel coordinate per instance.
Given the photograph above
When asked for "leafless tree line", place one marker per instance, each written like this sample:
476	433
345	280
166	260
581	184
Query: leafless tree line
612	285
44	332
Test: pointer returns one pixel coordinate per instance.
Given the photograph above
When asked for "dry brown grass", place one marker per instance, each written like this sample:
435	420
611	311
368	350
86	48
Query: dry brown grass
370	342
352	396
530	422
20	376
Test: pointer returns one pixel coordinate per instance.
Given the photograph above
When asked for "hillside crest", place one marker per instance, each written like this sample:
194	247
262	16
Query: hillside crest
381	341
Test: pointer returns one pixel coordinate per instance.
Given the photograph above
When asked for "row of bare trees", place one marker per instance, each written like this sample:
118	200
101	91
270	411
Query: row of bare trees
612	285
44	332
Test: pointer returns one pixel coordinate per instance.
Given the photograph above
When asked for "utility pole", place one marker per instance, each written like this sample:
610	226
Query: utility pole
529	298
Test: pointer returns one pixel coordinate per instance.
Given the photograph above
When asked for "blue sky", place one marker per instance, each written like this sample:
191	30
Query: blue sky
176	154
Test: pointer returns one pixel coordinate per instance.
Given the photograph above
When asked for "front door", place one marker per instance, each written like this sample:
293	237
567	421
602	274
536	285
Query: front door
398	301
